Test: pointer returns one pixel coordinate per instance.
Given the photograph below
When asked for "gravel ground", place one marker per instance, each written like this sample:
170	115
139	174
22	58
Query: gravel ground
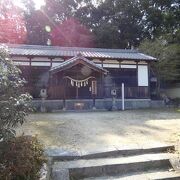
93	130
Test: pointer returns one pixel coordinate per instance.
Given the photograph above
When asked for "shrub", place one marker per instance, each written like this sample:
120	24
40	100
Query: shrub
14	103
21	158
176	102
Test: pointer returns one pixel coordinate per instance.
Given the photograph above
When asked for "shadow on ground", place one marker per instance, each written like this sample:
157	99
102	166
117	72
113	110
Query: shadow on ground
94	130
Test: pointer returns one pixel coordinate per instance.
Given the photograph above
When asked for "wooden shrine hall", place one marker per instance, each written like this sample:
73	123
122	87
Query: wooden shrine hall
83	73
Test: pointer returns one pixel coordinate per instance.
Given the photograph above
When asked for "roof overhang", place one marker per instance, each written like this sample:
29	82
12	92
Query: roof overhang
69	52
79	59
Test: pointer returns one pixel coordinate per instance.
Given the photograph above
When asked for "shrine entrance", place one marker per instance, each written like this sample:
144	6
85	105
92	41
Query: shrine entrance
77	78
79	88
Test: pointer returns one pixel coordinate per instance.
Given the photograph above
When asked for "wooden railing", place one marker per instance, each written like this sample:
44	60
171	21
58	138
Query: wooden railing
129	92
56	92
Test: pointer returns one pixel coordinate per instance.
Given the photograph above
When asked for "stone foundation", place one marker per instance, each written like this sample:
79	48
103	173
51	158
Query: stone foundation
100	104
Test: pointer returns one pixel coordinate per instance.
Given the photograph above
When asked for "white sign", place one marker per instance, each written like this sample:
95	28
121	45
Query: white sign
142	75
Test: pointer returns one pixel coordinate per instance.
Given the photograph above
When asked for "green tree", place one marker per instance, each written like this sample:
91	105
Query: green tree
36	23
160	17
115	23
14	105
167	52
12	24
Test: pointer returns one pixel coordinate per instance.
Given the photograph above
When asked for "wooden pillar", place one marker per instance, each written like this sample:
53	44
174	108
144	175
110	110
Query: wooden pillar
102	79
120	64
30	60
94	92
102	85
51	62
64	94
137	91
77	92
30	84
49	86
137	73
102	63
149	89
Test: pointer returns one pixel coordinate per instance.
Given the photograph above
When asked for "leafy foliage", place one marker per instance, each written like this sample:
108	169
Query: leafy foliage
168	54
21	158
14	105
117	24
114	23
35	25
12	24
160	17
71	33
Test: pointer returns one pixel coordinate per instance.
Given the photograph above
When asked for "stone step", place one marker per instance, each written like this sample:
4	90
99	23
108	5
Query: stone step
129	152
58	155
113	166
153	175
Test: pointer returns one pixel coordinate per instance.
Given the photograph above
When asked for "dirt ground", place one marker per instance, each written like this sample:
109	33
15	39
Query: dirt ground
94	130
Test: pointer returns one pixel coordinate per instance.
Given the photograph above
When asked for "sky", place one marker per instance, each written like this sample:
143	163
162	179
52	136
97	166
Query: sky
38	3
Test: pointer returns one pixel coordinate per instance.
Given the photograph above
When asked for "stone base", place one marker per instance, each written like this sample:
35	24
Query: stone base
101	104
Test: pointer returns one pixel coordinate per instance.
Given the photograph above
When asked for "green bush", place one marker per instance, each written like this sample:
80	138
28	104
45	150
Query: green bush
15	105
176	102
21	158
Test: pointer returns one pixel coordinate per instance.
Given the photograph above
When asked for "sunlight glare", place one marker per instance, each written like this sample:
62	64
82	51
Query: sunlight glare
38	3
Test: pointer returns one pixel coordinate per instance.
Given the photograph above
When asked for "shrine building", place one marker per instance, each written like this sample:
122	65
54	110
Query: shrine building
74	73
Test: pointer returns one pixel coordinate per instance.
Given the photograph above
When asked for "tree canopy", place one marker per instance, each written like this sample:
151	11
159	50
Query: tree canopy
108	23
167	50
12	24
71	33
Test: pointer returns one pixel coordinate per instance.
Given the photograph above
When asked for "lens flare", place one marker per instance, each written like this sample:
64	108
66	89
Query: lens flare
47	28
72	33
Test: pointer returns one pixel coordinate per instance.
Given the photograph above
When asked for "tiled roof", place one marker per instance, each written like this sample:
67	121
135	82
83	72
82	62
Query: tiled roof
56	51
80	59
